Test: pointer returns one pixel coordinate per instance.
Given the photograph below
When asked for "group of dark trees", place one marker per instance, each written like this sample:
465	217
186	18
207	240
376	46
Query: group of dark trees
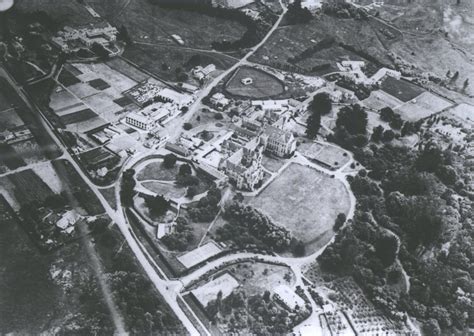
405	209
158	205
351	127
207	207
296	14
321	105
181	237
127	187
247	227
258	313
344	10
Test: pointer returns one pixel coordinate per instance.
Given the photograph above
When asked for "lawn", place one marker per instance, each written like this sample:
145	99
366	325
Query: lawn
273	163
426	104
156	171
401	89
264	84
306	202
168	190
109	195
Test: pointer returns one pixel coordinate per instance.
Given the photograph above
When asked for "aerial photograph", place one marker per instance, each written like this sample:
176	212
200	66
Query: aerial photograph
237	167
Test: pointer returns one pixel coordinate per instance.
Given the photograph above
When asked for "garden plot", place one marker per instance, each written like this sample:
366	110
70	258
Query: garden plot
94	71
9	119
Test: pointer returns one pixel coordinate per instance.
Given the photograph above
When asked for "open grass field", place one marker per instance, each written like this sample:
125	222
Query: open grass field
401	89
273	163
9	119
306	202
118	64
168	190
264	84
109	194
225	284
147	22
164	60
65	12
73	182
379	99
290	41
257	277
425	105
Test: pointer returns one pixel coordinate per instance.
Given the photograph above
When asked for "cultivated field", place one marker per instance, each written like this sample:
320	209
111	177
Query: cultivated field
264	84
401	89
306	202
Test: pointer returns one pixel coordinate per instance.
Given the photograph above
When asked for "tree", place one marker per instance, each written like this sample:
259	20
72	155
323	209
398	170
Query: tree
127	188
158	205
123	35
340	220
185	169
321	103
353	118
296	14
431	328
100	51
377	133
386	248
466	84
387	114
388	135
191	192
187	126
169	160
218	116
313	124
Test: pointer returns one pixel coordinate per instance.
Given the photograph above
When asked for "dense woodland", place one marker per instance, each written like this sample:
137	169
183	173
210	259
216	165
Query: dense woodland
409	206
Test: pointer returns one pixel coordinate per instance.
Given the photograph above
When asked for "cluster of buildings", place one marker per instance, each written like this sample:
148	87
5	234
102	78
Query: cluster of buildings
201	73
70	39
353	70
157	103
149	91
15	135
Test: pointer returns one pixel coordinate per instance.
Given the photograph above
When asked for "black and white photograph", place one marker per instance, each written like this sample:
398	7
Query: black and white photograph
236	167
